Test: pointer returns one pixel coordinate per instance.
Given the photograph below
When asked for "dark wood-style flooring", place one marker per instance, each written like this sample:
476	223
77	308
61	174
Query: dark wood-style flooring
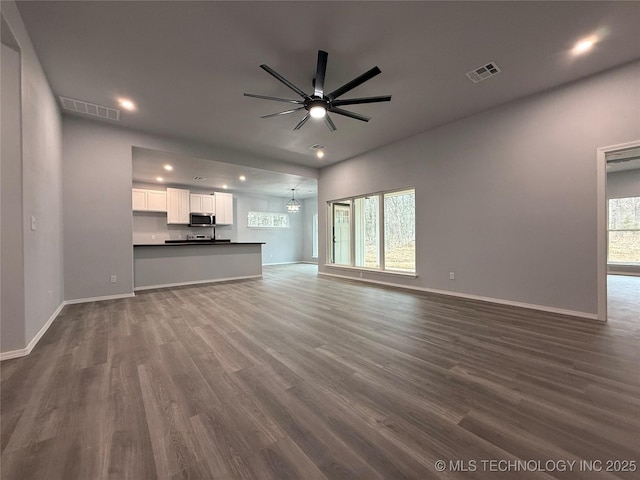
296	376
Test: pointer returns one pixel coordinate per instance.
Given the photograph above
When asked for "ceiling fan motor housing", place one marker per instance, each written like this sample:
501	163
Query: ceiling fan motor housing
318	105
315	102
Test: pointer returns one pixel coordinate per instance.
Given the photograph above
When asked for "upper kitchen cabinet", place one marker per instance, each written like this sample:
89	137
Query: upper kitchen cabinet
202	204
148	200
177	206
224	208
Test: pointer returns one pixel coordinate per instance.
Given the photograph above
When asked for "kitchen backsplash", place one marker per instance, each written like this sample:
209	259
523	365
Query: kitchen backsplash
149	227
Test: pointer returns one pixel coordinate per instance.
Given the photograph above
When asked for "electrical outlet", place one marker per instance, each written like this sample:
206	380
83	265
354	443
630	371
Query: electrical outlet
114	278
452	276
153	237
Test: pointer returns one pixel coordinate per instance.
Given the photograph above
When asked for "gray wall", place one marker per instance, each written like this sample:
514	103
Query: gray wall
507	198
98	179
41	158
281	245
11	243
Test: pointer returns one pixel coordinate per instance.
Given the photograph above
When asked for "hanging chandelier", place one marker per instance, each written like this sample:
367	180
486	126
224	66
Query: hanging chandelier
293	206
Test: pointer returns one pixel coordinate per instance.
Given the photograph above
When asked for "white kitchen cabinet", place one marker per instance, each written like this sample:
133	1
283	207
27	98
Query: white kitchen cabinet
148	200
156	201
202	204
224	208
139	200
177	206
209	204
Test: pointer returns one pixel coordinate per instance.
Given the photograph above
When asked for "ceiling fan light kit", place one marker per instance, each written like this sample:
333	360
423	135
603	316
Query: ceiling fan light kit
319	104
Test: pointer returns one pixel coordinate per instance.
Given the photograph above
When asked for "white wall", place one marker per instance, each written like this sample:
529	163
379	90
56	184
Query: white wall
41	158
98	180
507	198
309	209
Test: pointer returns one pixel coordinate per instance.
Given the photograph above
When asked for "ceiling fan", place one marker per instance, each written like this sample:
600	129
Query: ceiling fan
318	104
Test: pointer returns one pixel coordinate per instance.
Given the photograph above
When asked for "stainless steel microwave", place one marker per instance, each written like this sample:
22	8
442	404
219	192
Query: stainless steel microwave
200	220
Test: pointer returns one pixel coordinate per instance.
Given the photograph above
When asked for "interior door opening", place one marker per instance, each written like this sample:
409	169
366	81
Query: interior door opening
619	231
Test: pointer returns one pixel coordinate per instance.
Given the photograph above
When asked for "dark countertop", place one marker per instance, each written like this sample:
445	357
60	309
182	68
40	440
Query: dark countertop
187	243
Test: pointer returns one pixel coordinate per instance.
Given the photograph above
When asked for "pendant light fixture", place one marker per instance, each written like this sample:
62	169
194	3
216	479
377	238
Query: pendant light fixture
293	206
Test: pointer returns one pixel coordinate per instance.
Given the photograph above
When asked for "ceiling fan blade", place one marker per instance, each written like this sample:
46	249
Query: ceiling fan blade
321	70
368	75
302	122
356	101
330	123
277	99
346	113
287	112
280	78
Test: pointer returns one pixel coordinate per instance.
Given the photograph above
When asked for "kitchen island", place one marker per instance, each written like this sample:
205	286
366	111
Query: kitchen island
159	265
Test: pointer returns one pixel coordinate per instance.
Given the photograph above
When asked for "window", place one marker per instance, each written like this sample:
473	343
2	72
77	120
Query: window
624	230
367	234
399	231
267	220
374	231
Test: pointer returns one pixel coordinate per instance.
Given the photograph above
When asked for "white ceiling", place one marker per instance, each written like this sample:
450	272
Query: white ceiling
149	164
187	64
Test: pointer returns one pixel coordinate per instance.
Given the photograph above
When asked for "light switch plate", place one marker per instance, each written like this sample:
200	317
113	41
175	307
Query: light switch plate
33	222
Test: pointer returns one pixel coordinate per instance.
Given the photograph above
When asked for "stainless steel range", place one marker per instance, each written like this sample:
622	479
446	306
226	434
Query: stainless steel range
199	236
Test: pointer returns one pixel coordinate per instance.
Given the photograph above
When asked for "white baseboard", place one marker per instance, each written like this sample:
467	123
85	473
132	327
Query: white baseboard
530	306
98	299
182	284
290	263
34	341
26	351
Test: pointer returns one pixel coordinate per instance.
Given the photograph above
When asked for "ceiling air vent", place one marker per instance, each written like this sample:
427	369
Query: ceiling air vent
86	108
482	73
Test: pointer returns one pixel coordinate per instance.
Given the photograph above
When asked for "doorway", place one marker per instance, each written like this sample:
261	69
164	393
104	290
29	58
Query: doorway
619	231
341	233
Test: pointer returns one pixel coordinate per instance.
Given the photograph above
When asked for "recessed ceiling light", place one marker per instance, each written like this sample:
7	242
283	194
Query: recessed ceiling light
584	45
126	104
242	178
168	168
160	179
320	153
225	186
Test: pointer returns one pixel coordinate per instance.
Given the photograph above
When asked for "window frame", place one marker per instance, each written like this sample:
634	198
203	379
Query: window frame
269	227
609	230
330	262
